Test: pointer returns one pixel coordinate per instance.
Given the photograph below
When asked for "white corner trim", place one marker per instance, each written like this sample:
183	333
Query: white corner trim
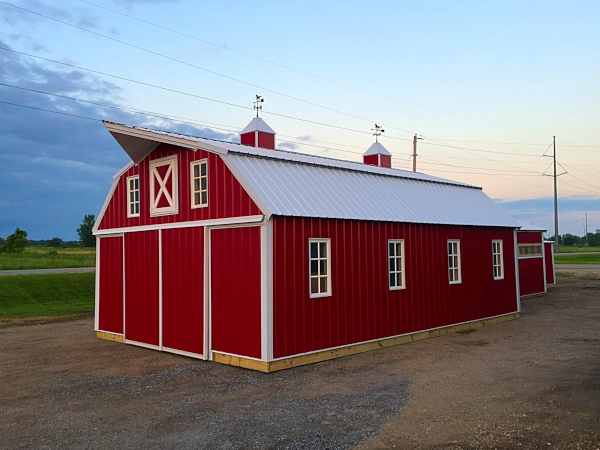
544	264
266	301
97	292
188	224
517	281
246	185
160	291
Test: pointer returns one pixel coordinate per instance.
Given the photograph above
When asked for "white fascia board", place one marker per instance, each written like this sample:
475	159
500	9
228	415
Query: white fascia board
151	136
247	187
124	170
192	223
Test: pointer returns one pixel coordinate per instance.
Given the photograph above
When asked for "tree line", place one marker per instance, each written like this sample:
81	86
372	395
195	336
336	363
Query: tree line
17	242
572	240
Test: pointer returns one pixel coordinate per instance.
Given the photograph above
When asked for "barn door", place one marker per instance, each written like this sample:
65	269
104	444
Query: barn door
235	275
183	290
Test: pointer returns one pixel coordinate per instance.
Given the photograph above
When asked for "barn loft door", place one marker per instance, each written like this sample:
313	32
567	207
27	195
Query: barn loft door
183	290
236	291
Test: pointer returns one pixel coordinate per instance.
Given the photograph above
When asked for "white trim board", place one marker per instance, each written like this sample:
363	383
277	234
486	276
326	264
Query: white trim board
191	223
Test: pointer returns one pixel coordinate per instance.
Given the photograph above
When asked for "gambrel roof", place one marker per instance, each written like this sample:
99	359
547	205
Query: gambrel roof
294	184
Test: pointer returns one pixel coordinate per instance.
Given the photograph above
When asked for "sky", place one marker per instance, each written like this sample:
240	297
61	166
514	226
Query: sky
485	84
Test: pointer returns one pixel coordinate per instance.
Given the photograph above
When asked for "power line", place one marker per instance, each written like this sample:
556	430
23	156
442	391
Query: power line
179	61
480	168
304	72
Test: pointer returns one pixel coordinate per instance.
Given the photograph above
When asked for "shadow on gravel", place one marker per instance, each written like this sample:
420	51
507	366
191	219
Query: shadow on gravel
204	405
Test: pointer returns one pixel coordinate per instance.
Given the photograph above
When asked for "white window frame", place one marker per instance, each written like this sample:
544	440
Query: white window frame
400	271
174	207
129	191
498	258
193	191
318	241
451	267
530	255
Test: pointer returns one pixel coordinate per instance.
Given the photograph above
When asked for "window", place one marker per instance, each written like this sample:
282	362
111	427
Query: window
319	267
454	275
133	196
396	264
530	250
498	259
199	177
163	186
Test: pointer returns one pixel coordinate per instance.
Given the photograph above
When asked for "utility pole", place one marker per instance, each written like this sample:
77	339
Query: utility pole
586	233
555	199
414	155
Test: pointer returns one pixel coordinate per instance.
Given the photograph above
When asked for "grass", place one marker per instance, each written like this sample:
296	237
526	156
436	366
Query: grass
46	258
577	259
578	249
51	297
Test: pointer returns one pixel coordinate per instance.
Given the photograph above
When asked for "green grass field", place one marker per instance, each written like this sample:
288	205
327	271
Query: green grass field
578	249
44	258
23	296
577	259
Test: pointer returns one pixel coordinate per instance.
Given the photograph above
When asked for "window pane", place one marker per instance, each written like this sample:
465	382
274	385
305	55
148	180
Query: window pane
203	181
451	275
131	197
196	184
131	209
455	247
450	261
323	250
455	262
495	272
449	248
392	264
399	249
196	170
391	250
203	169
196	198
314	250
323	282
323	267
398	280
456	278
204	198
314	285
392	280
314	266
137	208
137	196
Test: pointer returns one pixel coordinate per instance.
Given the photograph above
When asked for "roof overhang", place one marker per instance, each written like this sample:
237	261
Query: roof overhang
138	144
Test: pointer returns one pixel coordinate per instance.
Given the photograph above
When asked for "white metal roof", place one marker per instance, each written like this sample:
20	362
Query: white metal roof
377	149
257	124
530	227
294	184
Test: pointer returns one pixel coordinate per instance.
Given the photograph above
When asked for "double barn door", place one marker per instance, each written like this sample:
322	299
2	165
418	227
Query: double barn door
165	303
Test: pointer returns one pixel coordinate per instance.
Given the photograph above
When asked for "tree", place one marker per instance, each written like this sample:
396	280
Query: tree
1	240
570	239
16	242
55	242
85	231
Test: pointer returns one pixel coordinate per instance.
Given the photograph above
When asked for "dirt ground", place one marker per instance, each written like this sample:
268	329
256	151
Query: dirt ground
530	383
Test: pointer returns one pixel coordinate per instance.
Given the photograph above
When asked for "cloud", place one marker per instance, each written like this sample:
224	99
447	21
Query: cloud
288	145
77	16
55	169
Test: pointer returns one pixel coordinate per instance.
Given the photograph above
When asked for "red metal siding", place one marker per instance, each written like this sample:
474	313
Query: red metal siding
529	237
111	285
248	139
226	197
362	307
141	287
266	140
183	289
386	161
371	159
549	263
236	291
531	275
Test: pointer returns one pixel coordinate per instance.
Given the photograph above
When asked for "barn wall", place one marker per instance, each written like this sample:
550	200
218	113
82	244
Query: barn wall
362	307
549	261
226	197
111	285
531	275
529	237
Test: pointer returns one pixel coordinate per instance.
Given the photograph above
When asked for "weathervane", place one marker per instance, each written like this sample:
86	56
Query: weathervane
257	104
377	131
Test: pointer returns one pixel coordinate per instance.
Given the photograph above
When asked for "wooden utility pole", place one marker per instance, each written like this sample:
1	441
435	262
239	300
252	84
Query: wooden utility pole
414	155
586	233
555	199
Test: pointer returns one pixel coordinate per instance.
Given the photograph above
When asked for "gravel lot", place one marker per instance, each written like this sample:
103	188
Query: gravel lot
530	383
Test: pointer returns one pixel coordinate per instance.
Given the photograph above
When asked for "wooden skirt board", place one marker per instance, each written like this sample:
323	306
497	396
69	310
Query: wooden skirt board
236	291
142	287
183	290
110	310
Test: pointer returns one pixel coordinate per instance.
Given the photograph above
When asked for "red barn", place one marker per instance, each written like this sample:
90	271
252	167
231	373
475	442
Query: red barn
269	259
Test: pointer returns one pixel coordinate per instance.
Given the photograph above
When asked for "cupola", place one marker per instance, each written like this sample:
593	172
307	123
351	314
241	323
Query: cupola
257	133
377	155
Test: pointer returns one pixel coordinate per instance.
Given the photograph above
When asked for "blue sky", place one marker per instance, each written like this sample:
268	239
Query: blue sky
487	84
